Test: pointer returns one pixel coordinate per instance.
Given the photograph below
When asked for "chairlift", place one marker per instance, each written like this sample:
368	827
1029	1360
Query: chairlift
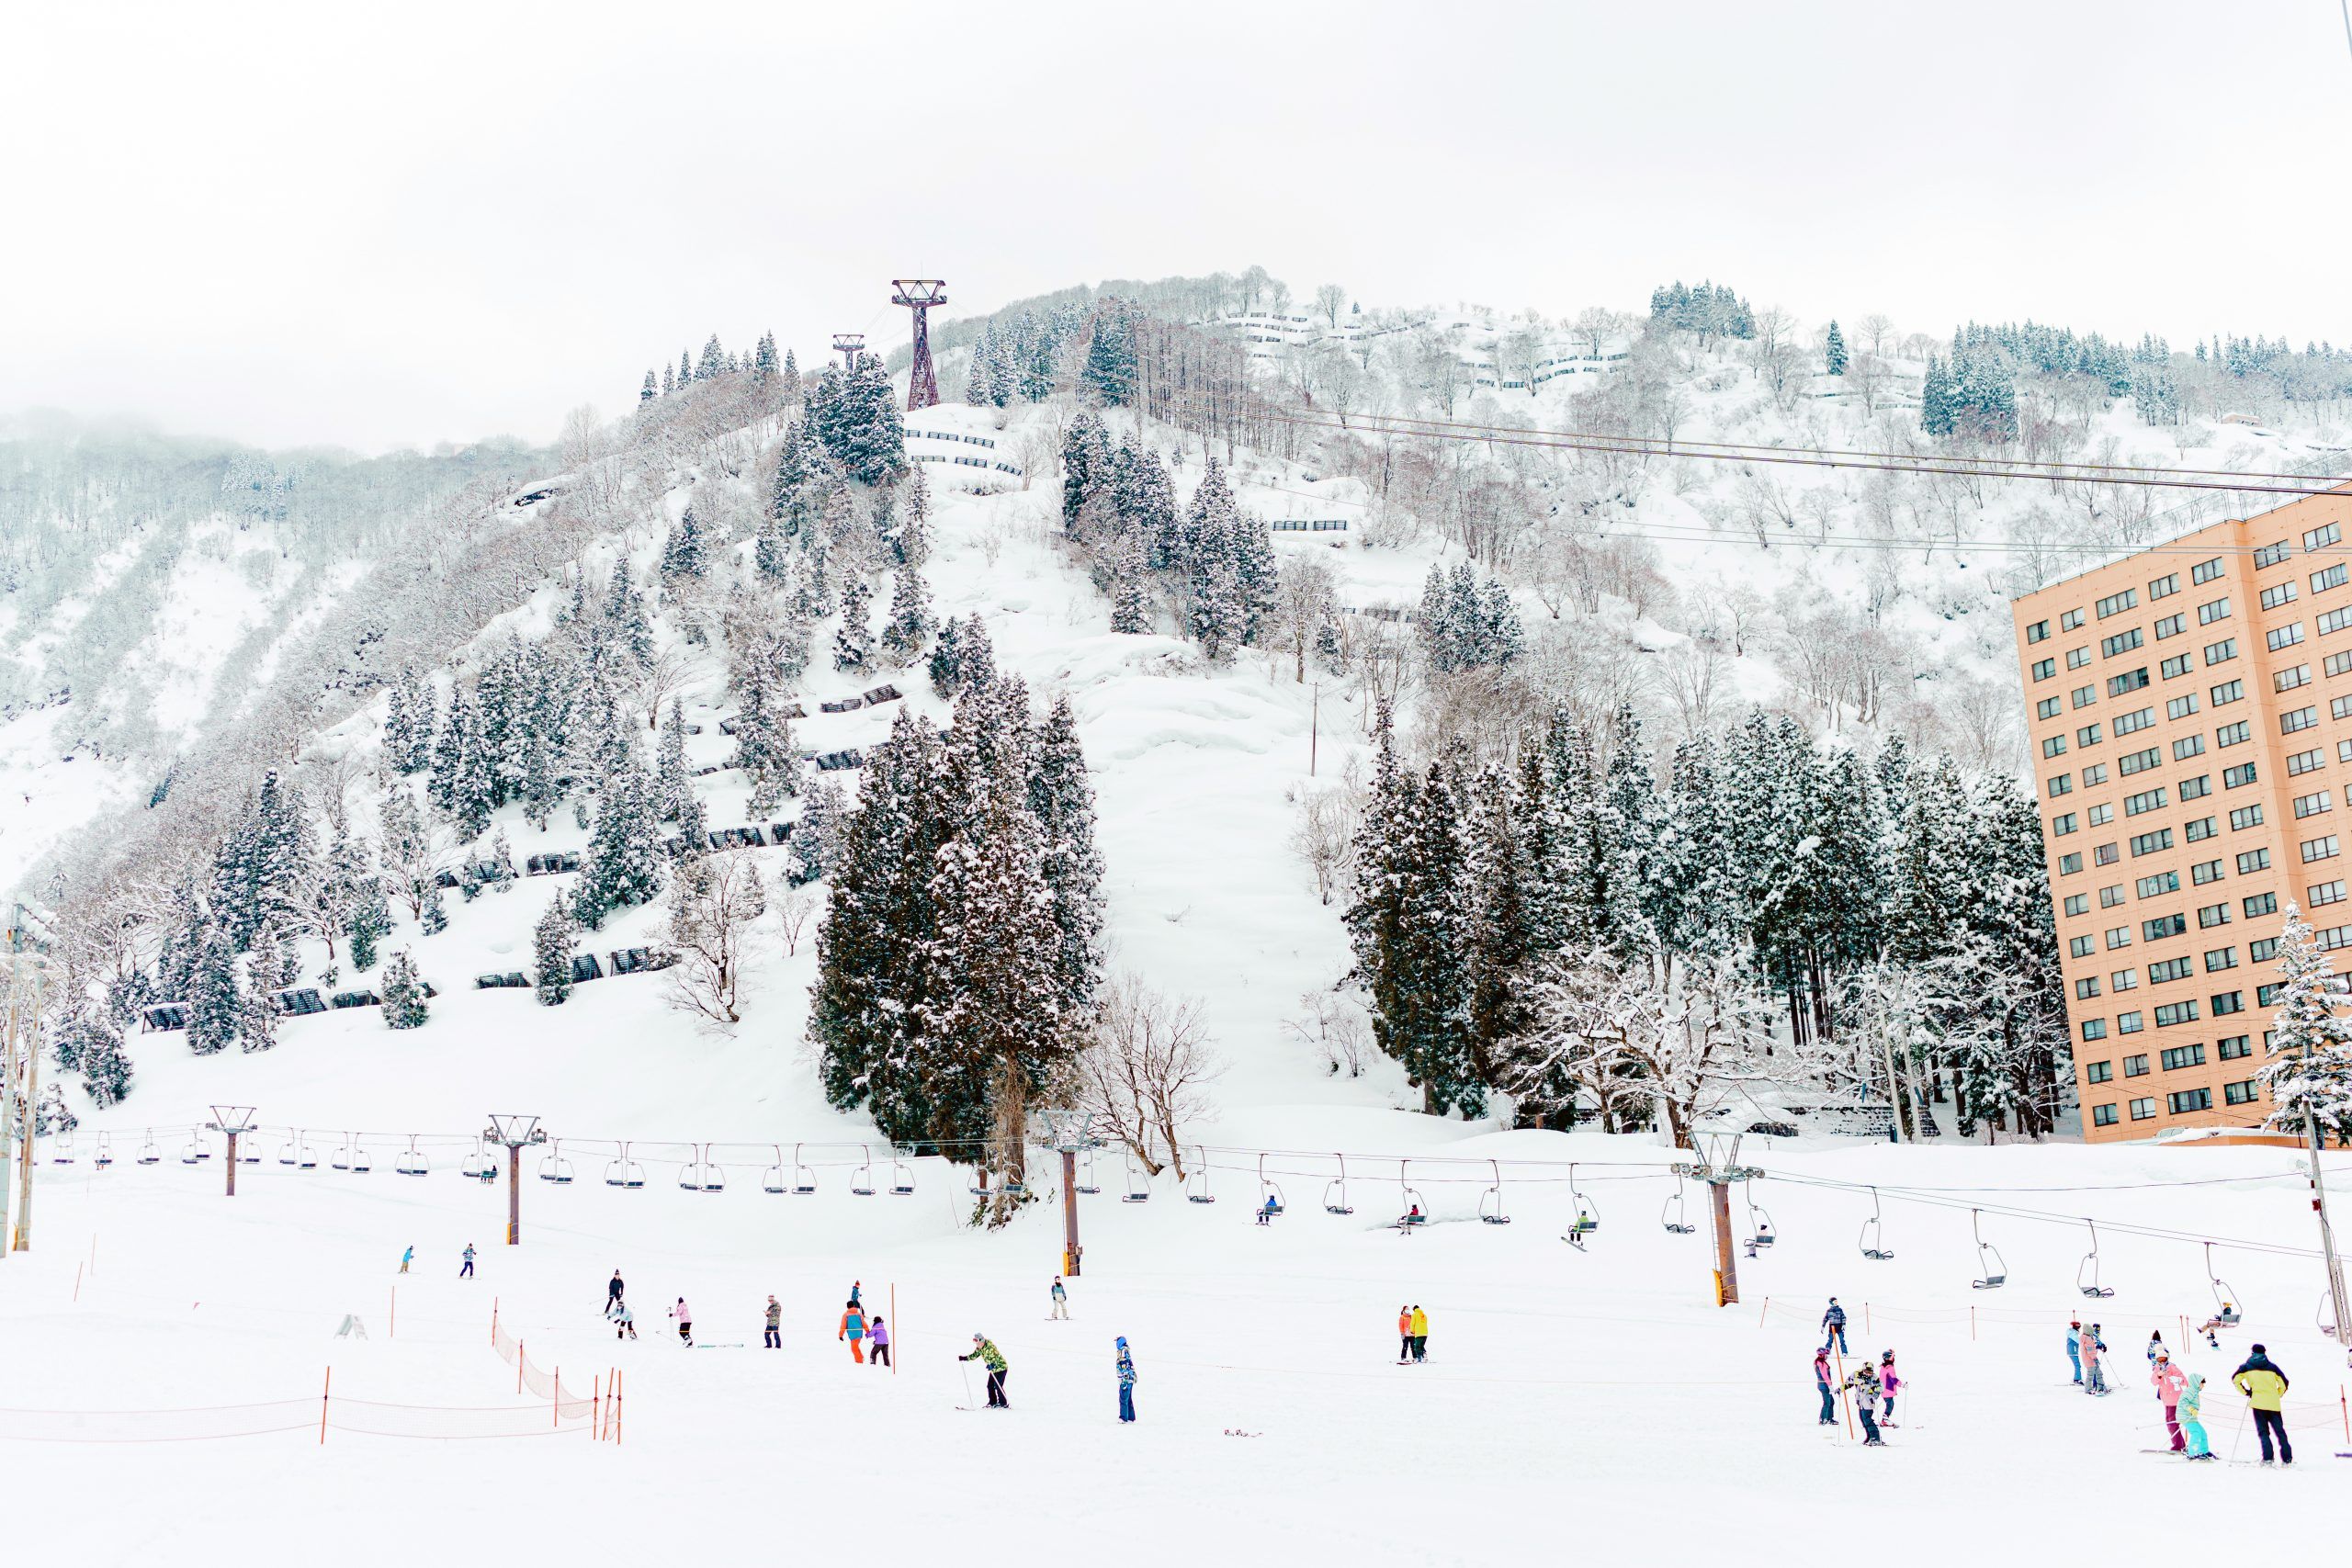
1137	1192
861	1181
690	1173
2227	1312
1335	1193
1760	1232
2321	1314
554	1167
203	1150
354	1157
1988	1257
903	1178
410	1161
714	1175
1416	1212
477	1166
1674	1213
148	1153
1270	1192
1490	1201
305	1157
771	1178
2089	1266
61	1149
804	1175
286	1151
194	1150
1873	1240
1196	1186
623	1171
1086	1185
1588	1216
105	1155
249	1151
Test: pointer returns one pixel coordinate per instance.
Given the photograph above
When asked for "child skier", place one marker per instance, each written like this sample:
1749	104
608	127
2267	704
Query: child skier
853	1330
1824	1379
2169	1383
1061	1299
2191	1415
1864	1382
406	1258
1888	1382
685	1316
623	1323
773	1339
2095	1380
988	1356
1833	1327
2155	1345
467	1271
2074	1347
878	1340
1126	1370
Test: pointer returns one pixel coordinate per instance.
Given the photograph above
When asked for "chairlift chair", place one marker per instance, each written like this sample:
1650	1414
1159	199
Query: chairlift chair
61	1149
410	1161
1269	1193
1086	1185
1988	1257
554	1167
903	1178
1335	1193
287	1150
203	1150
2226	1310
1587	1217
477	1166
305	1157
1137	1192
1674	1214
342	1158
1873	1240
1490	1201
1760	1232
249	1151
714	1175
2089	1266
104	1156
148	1153
804	1175
861	1181
1196	1186
358	1156
771	1178
690	1173
623	1171
194	1150
1416	1211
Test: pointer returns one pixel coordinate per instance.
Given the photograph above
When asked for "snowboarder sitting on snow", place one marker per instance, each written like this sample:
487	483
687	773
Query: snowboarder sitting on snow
467	1271
1864	1382
988	1356
878	1340
774	1340
853	1330
685	1316
1126	1370
1825	1378
1888	1382
623	1321
1833	1327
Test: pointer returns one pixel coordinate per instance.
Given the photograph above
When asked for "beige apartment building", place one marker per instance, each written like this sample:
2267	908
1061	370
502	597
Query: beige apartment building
2190	709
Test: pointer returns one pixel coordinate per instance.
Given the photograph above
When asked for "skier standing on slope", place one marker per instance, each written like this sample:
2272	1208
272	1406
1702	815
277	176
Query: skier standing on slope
1864	1382
1888	1382
467	1271
878	1340
853	1330
1404	1334
773	1339
1126	1370
685	1316
2095	1381
2074	1347
613	1290
2168	1381
1061	1299
2156	1347
406	1258
1420	1333
1824	1379
988	1356
624	1322
852	1292
2191	1412
1833	1327
2265	1386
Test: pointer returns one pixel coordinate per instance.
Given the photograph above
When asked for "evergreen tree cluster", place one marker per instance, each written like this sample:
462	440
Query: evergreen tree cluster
1021	355
1710	310
1471	881
855	418
962	945
1834	358
1467	624
1971	395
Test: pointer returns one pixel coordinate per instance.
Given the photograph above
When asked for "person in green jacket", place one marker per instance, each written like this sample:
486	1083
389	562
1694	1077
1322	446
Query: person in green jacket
2265	1386
988	1356
2191	1414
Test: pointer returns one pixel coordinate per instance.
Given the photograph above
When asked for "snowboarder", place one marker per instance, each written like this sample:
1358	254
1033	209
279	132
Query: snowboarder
1833	1327
624	1323
1864	1382
1126	1368
613	1290
2095	1381
878	1340
2265	1386
2191	1412
1061	1299
1420	1333
2074	1347
988	1356
2169	1383
685	1316
853	1330
1824	1379
773	1339
467	1271
407	1258
1888	1382
1404	1334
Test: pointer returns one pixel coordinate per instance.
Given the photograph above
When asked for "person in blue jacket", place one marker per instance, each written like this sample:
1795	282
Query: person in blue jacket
2074	1348
1126	1382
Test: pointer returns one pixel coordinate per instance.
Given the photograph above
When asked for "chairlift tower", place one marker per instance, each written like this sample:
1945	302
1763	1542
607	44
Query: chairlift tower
516	1132
232	1122
849	345
1069	1133
1719	1177
919	295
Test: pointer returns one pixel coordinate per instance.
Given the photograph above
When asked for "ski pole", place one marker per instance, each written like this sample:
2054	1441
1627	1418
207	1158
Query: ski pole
966	1368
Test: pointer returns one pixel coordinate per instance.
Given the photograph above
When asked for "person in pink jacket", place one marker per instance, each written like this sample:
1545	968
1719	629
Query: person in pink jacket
1888	1383
2168	1380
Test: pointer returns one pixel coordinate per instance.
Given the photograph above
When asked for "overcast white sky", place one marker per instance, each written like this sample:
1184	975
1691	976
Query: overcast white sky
400	224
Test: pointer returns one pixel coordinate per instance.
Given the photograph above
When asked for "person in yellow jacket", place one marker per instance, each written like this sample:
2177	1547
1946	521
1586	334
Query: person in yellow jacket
2264	1387
1420	1333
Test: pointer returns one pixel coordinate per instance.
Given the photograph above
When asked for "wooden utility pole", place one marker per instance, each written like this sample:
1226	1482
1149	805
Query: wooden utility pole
1067	1133
1070	1253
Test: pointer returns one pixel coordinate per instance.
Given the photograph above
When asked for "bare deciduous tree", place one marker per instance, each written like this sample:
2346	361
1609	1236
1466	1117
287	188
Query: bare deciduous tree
794	913
1146	1073
1324	836
1334	1026
665	675
712	905
1305	600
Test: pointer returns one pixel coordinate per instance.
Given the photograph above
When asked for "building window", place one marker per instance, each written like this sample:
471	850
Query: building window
2304	762
2212	915
2221	958
2130	1024
2287	680
2098	1072
2171	626
2088	734
2202	827
2324	893
2336	663
2119	936
2181	706
2228	691
2267	996
2334	576
2124	980
2221	652
2054	747
2070	619
2062	825
2151	800
2069	864
2130	681
2259	905
2093	1028
2170	1013
2227	1002
2319	848
2142	1109
2106	855
2137	761
2289	723
2238	1093
2231	1048
2171	969
2335	621
2077	904
2149	844
2205	871
2219	610
2116	604
2187	746
2164	587
2178	664
2253	861
2086	987
2178	1056
2159	885
2322	536
2078	656
2103	1115
2135	1066
2246	816
2038	632
2062	784
2277	594
2205	571
2270	555
2312	804
2084	696
2237	777
2184	1100
2284	636
2081	946
2135	721
2236	734
2196	788
2109	897
2044	668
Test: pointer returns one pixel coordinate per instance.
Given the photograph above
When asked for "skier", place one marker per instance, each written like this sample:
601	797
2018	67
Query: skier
991	1358
2095	1380
1823	1379
1126	1368
685	1316
852	1292
1833	1327
1061	1299
408	1257
877	1339
2074	1347
2156	1347
1266	1216
2265	1385
773	1339
1420	1333
2169	1383
613	1290
1864	1382
467	1271
1888	1382
2191	1412
853	1330
623	1322
1404	1334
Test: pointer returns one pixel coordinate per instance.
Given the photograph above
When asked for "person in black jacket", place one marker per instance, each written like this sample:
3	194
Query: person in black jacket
1832	1326
2264	1387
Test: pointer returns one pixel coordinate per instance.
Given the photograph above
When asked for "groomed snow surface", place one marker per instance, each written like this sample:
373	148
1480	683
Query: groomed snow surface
1586	1402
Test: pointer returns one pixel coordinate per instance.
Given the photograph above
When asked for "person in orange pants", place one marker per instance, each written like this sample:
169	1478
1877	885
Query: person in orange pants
853	1330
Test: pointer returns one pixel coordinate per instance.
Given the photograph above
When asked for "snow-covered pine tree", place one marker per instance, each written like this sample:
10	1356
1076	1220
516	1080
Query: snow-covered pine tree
449	751
764	748
1499	954
402	993
866	434
623	865
214	1003
258	1006
669	381
1004	370
684	553
1205	525
473	792
853	642
371	922
2307	1071
672	782
1936	398
713	364
104	1063
647	392
625	612
816	837
946	666
1833	350
551	944
1130	591
909	538
1086	466
1062	797
1220	616
980	388
1108	374
764	362
908	627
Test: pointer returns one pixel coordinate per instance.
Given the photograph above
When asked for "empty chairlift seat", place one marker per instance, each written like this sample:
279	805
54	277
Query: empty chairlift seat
357	999
841	705
552	863
752	837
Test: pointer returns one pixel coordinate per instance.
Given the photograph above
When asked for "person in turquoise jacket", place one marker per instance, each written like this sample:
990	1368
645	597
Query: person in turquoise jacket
1127	1368
2191	1414
853	1330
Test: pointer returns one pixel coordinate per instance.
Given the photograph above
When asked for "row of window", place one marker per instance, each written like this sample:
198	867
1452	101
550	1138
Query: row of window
2204	571
2180	1102
2170	1014
2230	1048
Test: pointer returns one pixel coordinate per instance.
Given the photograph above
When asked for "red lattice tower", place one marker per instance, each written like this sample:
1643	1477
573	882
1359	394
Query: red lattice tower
919	295
849	345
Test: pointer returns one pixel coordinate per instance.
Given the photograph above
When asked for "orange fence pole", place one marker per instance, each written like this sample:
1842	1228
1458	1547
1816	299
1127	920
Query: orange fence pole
1841	1394
620	1403
324	1389
1866	1319
519	1361
1766	1310
558	1422
894	1333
